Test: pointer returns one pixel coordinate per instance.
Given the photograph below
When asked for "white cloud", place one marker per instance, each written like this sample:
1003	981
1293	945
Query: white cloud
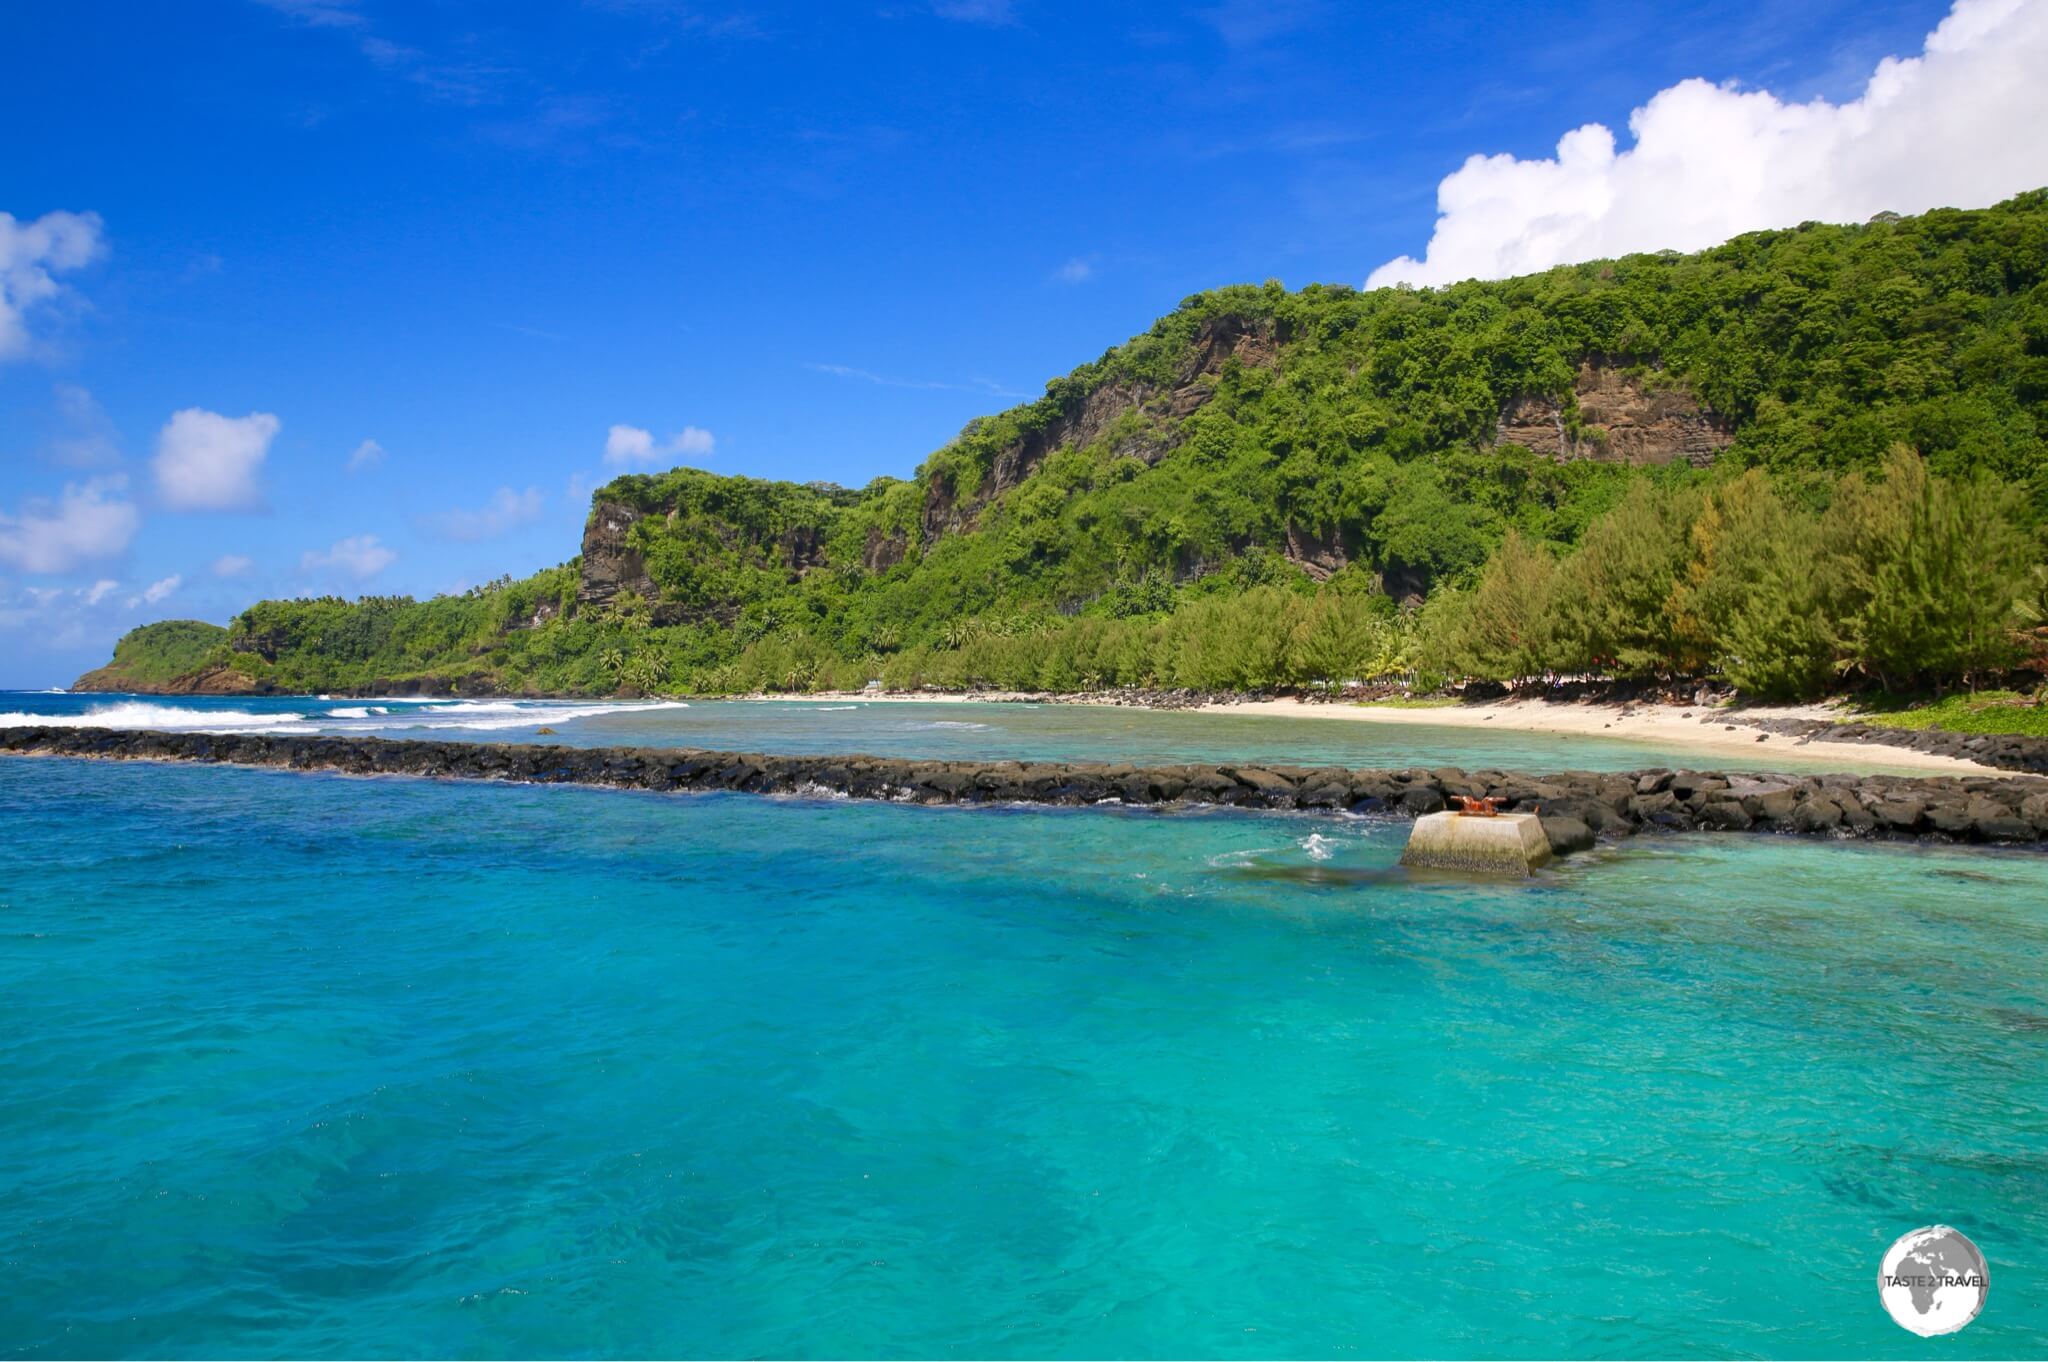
232	565
90	521
368	454
360	556
208	462
156	592
60	619
628	444
1075	271
1958	126
631	444
32	254
505	510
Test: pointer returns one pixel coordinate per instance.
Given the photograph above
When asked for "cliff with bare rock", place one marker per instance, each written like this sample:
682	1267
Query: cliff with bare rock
1378	444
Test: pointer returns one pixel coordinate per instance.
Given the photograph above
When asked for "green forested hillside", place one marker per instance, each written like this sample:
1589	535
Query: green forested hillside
157	655
1742	462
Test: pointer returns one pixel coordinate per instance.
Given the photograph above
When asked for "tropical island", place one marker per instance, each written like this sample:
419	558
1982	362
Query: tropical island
1804	462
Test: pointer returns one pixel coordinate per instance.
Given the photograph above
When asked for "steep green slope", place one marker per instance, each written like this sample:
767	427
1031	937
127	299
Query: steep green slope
156	655
1347	450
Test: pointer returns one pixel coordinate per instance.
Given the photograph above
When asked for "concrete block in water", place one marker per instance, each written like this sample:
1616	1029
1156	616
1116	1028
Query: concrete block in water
1502	844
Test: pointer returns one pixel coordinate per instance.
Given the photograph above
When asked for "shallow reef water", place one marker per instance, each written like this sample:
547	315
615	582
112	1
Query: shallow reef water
311	1065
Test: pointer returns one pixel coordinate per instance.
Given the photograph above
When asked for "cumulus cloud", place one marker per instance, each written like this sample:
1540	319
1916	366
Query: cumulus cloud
232	564
59	619
209	462
360	557
156	592
1079	270
631	444
1957	126
368	454
506	510
32	254
92	520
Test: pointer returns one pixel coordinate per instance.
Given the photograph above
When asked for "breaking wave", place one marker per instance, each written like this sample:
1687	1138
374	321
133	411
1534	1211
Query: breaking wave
488	715
473	715
169	718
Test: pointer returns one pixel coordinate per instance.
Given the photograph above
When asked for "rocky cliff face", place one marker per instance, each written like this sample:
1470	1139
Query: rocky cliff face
216	679
882	552
1621	421
1319	554
1251	341
610	565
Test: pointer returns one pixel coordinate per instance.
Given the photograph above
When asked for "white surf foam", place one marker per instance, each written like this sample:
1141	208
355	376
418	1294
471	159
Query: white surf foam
477	715
1319	847
166	718
490	715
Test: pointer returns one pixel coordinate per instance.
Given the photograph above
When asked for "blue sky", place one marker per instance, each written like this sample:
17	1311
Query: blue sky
818	238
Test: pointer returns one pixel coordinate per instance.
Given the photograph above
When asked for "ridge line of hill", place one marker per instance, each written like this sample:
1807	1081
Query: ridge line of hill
1801	460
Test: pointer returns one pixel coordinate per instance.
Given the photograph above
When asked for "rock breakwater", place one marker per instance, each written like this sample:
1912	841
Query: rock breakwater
2006	751
1577	807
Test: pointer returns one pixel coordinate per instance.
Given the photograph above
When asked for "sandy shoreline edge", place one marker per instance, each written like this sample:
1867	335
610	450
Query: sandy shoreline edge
1697	728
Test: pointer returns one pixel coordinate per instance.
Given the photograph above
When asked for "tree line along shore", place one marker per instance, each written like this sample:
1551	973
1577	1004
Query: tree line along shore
1802	463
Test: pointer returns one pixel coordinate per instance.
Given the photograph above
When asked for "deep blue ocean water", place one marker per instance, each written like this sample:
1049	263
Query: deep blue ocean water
309	1065
982	731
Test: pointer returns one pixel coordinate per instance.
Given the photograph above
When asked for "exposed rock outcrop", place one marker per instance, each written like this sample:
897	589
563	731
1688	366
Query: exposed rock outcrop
1252	341
1321	556
610	564
2006	751
801	548
882	552
1621	420
216	679
1573	805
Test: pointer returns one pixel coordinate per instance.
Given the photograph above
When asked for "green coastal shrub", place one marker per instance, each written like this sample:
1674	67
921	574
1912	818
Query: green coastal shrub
1186	509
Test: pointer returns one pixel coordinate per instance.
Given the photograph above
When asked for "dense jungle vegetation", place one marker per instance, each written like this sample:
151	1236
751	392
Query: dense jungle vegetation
1275	488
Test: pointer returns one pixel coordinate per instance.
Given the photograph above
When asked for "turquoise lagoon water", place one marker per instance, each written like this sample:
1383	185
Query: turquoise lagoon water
985	731
308	1065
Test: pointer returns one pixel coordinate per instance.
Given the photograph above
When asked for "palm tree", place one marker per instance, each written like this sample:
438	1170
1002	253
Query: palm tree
646	672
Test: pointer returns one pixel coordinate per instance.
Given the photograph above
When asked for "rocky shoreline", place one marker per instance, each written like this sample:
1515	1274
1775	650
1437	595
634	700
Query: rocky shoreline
1576	807
2006	751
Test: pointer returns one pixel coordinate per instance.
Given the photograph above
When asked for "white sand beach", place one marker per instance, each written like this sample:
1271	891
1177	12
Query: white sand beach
1696	727
1699	728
